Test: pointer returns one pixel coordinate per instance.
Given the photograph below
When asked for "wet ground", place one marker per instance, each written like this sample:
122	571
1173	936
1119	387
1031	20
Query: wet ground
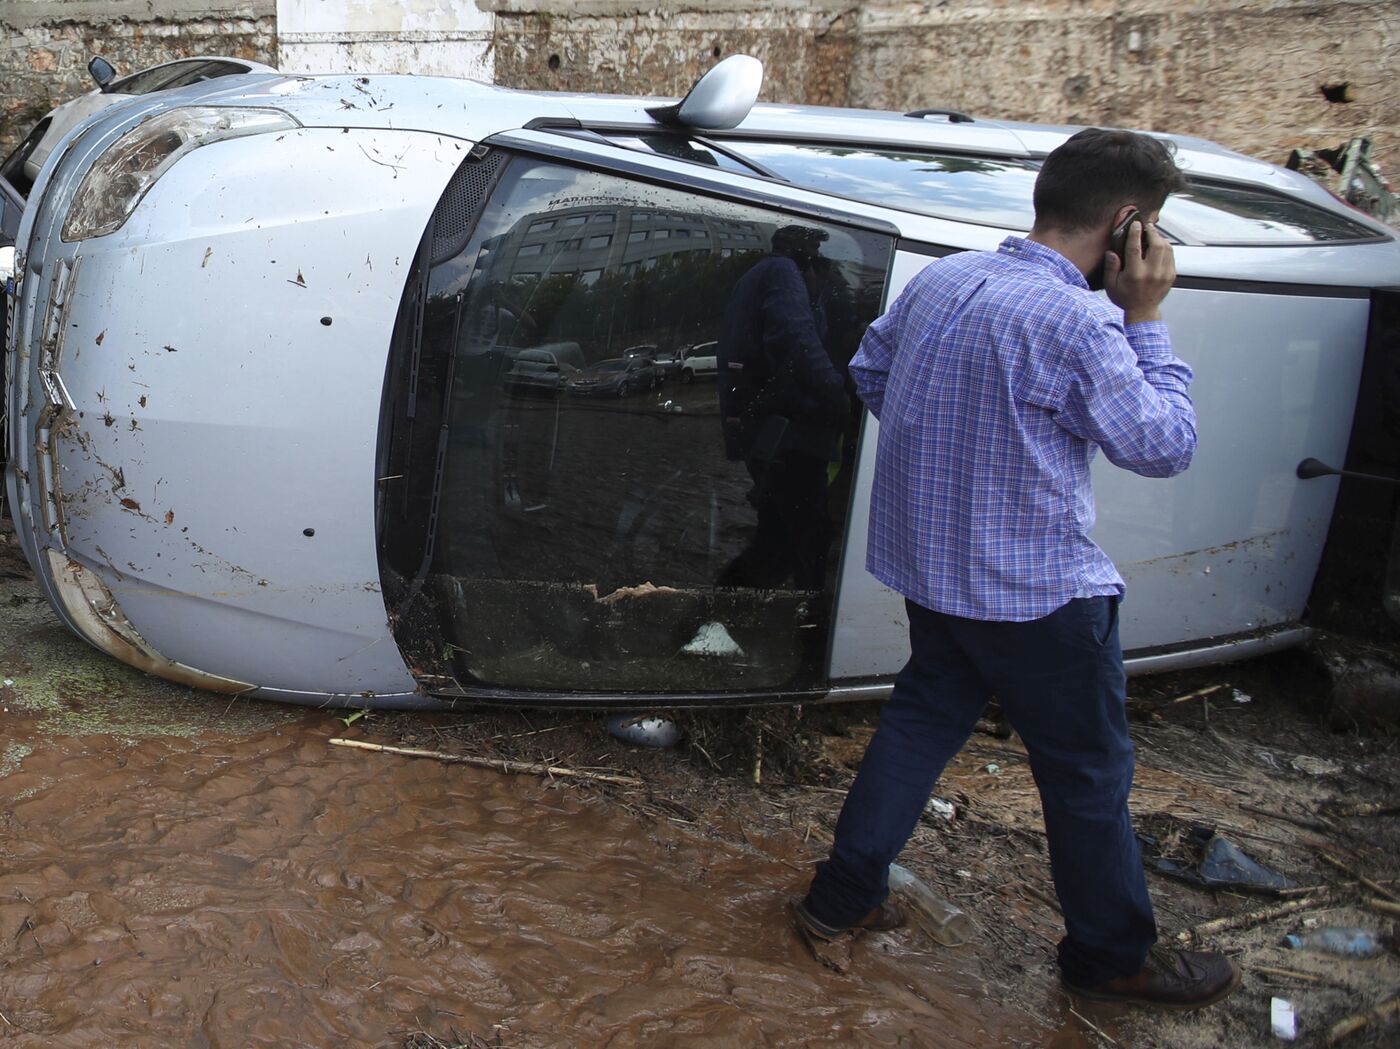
179	870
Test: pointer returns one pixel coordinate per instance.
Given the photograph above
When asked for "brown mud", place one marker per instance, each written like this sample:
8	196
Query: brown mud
271	890
179	870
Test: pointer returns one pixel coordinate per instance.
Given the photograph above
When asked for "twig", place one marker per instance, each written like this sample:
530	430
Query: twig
6	1019
1384	906
495	764
1379	808
1375	887
1090	1024
1356	1021
758	755
1197	694
1042	897
1250	919
1293	974
1312	825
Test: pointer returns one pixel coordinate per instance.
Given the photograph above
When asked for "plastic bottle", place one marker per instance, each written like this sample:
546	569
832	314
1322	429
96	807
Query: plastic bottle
940	919
1350	943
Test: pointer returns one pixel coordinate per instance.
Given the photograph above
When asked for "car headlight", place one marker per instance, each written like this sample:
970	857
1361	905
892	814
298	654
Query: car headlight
115	184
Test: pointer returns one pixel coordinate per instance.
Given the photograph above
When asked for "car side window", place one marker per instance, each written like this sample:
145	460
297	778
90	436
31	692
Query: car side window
649	438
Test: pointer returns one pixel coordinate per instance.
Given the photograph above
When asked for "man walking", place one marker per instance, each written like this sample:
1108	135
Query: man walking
995	376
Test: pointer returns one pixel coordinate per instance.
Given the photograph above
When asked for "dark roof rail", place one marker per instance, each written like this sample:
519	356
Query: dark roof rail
954	116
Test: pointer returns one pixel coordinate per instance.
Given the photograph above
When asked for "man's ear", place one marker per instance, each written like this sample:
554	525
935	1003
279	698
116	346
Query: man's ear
1120	214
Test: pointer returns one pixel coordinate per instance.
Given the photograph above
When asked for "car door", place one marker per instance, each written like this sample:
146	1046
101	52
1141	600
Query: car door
589	547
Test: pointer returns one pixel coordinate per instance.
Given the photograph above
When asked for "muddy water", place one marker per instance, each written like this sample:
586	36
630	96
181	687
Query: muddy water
177	870
270	890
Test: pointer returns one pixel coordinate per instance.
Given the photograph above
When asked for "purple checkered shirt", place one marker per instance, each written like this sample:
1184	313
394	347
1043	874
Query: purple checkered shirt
995	375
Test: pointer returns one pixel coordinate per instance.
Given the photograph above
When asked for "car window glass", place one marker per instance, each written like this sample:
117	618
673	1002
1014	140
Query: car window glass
176	74
680	148
1216	213
987	190
614	512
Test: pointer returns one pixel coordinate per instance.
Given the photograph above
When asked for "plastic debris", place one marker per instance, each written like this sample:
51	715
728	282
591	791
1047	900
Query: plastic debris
1315	766
645	731
712	639
1282	1019
1241	697
9	681
940	809
936	916
1221	863
994	769
1346	942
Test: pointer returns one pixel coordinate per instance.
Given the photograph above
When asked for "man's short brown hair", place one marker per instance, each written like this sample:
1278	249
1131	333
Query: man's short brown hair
1097	171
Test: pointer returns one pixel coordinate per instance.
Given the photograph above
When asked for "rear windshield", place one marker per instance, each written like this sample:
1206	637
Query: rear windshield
1220	213
996	191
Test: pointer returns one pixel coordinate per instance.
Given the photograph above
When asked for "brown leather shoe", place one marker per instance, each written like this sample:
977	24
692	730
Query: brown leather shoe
1170	980
883	918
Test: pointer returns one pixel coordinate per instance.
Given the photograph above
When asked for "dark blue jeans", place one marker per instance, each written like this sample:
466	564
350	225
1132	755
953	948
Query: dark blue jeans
1060	682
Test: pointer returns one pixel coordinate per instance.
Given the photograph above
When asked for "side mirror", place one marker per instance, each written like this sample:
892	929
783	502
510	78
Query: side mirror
102	71
720	99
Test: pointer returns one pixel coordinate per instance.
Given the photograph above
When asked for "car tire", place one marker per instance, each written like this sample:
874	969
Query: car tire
624	390
687	377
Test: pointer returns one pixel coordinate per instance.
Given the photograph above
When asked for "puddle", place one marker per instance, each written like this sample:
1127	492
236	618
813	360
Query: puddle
179	870
272	891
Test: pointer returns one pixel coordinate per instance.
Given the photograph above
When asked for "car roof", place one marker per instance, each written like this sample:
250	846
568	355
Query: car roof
474	110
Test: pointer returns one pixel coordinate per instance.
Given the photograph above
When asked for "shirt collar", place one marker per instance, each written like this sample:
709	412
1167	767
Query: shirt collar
1030	251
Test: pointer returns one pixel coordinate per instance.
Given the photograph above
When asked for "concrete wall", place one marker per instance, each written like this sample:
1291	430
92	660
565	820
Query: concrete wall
47	44
437	37
1249	75
1256	77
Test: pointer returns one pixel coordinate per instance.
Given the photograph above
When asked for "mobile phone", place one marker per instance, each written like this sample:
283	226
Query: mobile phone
1119	237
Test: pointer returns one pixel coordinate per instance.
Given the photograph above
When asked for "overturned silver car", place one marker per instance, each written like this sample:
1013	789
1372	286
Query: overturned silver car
289	410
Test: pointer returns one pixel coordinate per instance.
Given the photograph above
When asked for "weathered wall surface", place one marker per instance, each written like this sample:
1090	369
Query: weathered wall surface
47	44
1249	75
603	45
436	37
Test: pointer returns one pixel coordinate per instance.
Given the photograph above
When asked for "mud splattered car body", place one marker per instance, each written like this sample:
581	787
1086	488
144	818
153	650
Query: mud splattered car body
261	438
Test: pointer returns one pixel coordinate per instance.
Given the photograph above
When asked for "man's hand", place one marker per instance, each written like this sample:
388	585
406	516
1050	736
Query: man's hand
1139	283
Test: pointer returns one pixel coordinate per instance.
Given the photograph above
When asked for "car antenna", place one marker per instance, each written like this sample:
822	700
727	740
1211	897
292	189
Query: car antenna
720	99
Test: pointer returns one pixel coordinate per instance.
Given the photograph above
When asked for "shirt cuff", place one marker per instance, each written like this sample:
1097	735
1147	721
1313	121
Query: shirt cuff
1149	340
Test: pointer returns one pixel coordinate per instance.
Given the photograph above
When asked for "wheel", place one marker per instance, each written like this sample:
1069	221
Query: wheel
687	377
624	390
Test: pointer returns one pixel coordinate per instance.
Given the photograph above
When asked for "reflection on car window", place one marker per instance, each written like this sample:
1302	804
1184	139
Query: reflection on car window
648	446
988	190
681	148
1216	213
176	74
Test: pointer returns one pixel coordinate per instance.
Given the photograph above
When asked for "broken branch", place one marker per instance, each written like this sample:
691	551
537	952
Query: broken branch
1375	887
1356	1021
1198	693
1384	906
529	768
1250	919
1379	808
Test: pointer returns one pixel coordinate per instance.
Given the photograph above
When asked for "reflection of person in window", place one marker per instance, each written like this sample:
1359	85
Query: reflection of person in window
783	406
496	320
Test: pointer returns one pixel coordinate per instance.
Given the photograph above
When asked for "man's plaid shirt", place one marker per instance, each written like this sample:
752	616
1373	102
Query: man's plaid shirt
995	375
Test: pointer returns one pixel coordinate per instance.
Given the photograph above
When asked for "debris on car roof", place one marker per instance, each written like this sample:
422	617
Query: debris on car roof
1349	172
